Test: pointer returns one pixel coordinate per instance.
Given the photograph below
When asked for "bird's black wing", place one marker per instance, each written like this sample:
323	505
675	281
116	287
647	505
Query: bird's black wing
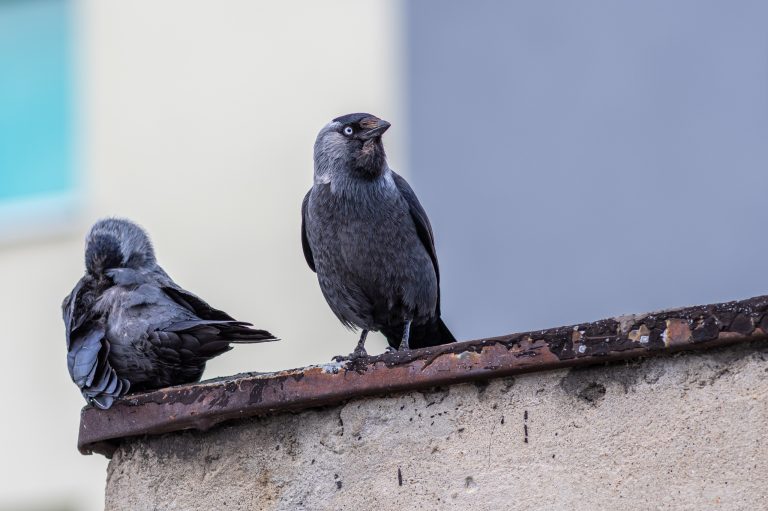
88	349
234	331
173	332
423	227
304	239
72	318
195	304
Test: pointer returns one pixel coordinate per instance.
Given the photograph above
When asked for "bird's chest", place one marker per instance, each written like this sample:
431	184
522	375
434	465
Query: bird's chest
358	231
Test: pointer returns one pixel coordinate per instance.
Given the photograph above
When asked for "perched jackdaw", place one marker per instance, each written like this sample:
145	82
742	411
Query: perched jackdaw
369	240
129	326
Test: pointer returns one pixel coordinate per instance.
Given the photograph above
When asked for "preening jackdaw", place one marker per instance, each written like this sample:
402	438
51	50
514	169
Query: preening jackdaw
129	326
367	237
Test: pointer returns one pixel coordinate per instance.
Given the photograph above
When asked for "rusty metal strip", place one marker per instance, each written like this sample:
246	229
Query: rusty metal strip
203	405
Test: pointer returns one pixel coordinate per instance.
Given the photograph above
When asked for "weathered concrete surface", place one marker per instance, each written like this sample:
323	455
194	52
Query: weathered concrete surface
682	432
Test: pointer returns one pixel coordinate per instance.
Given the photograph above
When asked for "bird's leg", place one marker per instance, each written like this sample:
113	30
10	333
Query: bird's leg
406	335
360	348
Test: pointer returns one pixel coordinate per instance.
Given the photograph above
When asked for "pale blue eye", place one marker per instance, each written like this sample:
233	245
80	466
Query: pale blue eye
348	130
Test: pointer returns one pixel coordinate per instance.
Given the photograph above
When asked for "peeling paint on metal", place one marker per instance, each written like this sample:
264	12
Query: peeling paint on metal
203	405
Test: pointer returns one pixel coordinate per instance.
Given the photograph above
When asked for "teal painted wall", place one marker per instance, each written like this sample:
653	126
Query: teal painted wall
36	157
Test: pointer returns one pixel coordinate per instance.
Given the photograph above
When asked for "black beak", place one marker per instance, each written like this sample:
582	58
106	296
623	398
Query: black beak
378	128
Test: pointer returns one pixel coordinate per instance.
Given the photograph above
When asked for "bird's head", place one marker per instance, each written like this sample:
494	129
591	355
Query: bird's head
117	243
351	143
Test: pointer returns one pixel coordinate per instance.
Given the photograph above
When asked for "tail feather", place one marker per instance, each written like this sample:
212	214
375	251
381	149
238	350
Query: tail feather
433	333
232	331
243	334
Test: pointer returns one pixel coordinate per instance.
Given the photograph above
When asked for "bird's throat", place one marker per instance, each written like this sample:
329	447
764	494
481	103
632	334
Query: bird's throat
371	160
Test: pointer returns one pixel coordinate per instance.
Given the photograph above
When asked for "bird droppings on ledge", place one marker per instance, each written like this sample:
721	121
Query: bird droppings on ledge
333	367
203	405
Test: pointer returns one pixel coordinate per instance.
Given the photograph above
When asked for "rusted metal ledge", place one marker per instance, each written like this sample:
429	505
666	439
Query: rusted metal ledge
203	405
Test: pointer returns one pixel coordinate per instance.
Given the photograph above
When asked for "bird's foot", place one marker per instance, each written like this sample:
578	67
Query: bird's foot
355	355
402	349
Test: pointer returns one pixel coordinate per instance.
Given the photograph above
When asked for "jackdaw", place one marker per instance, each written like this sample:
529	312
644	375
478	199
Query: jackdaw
129	326
367	237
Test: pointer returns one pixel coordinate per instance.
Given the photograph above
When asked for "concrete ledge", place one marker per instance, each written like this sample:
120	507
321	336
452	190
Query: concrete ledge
683	432
201	406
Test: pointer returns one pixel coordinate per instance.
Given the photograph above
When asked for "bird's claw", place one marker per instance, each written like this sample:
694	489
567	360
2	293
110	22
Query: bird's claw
355	355
402	349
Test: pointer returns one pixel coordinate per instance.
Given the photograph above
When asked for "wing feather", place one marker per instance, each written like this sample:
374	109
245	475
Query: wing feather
304	238
423	227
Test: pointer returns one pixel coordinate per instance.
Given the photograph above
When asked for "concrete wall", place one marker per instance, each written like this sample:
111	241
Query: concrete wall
197	119
682	432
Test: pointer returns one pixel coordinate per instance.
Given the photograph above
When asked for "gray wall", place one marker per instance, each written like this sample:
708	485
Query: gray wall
583	159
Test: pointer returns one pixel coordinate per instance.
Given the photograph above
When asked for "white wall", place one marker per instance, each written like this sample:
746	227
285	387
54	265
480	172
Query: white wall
197	120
